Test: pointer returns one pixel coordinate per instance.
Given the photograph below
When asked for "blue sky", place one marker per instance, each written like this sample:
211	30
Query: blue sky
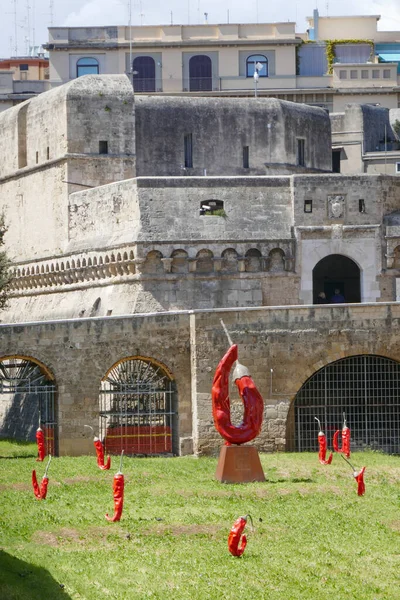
148	12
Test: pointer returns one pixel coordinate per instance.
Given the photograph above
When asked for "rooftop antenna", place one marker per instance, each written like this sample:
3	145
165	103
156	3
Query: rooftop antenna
51	9
33	25
327	8
15	29
172	18
256	11
130	43
198	11
206	18
188	9
28	27
227	16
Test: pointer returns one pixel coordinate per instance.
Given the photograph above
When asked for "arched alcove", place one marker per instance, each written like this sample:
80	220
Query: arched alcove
364	387
200	73
337	272
138	408
27	396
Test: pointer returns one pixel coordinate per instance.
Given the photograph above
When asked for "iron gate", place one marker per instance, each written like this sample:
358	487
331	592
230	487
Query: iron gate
366	388
137	408
27	391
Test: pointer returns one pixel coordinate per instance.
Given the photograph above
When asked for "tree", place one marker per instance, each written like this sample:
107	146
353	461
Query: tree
5	263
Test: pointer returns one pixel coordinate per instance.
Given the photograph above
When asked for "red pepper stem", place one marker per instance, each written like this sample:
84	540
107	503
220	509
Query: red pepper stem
227	333
251	521
319	423
348	462
47	468
120	462
89	427
344	420
40	418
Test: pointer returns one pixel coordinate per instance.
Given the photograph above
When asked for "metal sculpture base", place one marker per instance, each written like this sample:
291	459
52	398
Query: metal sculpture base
239	464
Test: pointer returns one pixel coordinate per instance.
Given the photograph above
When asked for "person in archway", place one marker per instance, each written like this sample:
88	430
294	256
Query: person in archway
337	297
321	298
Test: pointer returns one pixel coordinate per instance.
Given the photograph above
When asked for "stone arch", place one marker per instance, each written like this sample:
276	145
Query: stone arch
143	419
337	272
153	263
366	387
253	260
276	260
27	389
204	261
229	260
180	263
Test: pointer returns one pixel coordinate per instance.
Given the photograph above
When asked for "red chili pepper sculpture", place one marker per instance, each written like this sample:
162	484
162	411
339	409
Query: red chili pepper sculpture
235	535
322	446
40	444
41	492
252	400
118	491
359	477
100	455
345	449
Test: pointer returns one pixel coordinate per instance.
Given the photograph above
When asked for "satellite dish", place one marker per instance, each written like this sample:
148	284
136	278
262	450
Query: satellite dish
259	66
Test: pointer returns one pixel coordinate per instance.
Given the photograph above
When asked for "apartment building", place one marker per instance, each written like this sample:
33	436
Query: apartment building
338	60
22	78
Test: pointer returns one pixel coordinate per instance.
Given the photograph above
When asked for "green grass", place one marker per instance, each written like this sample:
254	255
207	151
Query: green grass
317	538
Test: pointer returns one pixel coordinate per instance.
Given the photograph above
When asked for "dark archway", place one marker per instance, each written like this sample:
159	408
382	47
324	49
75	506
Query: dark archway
200	73
138	408
144	74
337	272
366	388
27	390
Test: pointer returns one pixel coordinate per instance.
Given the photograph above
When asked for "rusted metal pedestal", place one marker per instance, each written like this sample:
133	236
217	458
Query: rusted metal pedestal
239	464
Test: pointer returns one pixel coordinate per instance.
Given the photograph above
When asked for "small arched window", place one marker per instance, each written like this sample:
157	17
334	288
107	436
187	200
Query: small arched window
252	62
87	66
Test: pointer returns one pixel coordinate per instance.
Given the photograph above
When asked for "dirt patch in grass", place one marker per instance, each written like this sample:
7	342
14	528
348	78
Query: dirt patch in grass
395	525
67	536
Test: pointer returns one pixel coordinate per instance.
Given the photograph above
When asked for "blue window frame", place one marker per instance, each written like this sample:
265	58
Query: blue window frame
87	66
251	62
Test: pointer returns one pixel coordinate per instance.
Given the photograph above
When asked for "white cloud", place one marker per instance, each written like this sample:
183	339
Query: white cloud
98	12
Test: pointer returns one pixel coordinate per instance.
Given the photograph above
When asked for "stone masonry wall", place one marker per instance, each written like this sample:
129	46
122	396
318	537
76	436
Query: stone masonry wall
294	342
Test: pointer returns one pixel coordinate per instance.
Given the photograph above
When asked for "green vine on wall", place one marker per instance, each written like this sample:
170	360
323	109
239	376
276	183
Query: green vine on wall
331	54
330	51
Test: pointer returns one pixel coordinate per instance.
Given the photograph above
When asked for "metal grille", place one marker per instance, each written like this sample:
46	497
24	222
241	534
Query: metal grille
137	409
25	392
366	389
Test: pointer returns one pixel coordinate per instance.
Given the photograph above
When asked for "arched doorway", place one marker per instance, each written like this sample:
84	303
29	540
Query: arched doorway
337	272
144	74
366	388
138	408
27	395
200	73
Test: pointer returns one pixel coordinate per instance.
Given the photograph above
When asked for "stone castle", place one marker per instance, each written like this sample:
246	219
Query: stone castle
135	225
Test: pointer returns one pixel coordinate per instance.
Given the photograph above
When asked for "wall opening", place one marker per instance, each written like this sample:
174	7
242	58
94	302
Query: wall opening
337	272
188	150
200	73
366	388
246	157
22	141
27	389
138	408
336	161
103	147
144	74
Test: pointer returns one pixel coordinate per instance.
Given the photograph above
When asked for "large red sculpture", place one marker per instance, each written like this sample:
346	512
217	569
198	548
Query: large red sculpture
251	397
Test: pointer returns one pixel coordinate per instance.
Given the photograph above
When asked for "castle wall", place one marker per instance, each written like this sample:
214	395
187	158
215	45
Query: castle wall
190	344
221	128
50	147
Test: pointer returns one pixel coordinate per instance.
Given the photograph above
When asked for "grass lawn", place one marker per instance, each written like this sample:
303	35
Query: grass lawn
317	538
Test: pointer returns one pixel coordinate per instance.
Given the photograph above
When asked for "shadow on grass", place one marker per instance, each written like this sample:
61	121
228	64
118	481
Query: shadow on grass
20	580
13	448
